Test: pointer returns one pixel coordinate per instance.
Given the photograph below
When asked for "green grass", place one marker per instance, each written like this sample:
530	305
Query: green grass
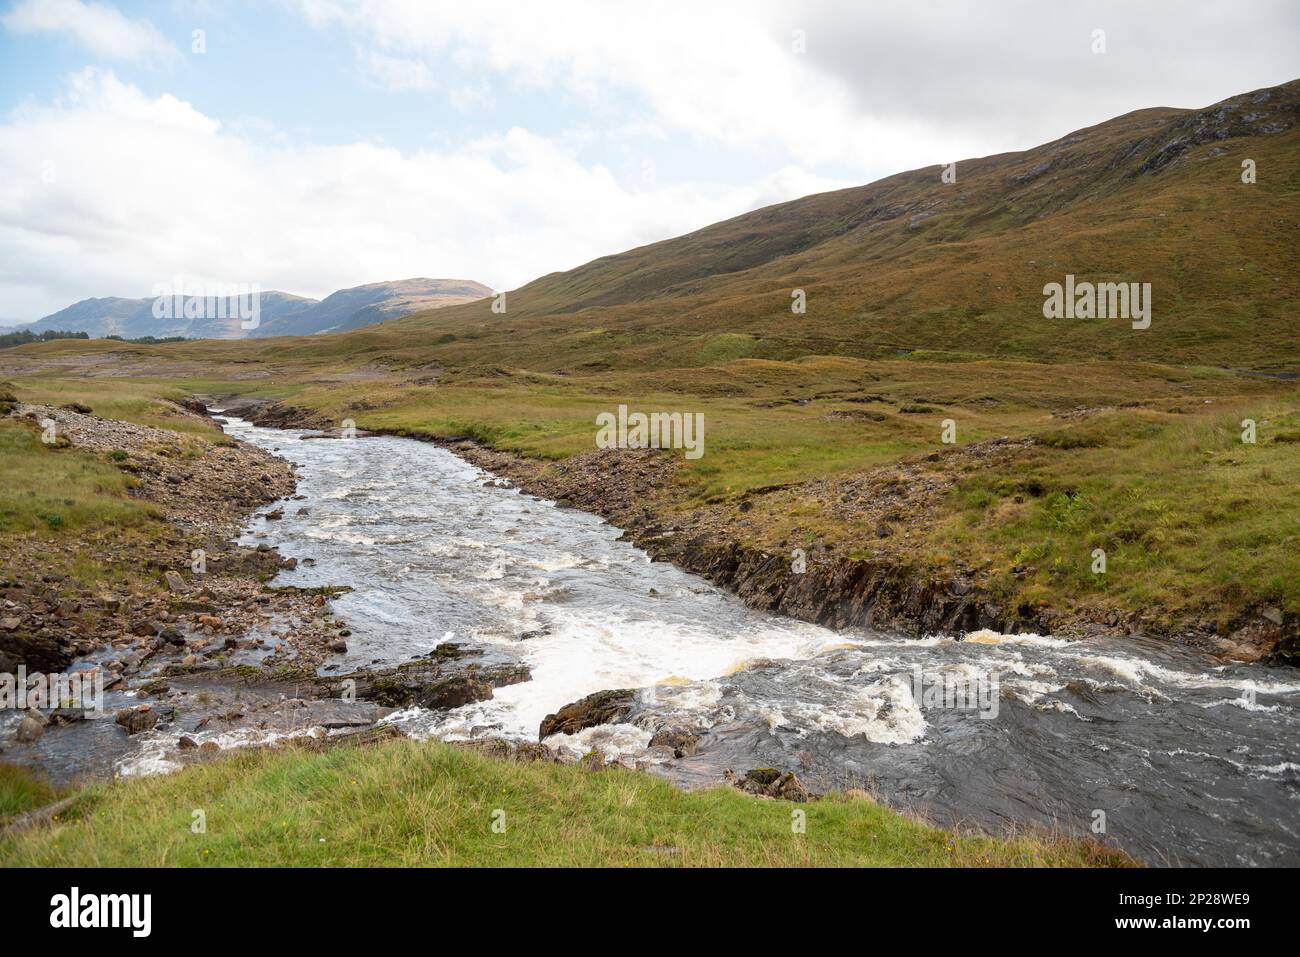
128	399
1190	518
53	490
22	791
426	803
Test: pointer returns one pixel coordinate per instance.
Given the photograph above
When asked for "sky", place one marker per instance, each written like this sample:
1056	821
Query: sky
312	145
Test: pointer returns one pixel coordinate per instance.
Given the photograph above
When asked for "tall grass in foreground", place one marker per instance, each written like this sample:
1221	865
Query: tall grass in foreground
427	803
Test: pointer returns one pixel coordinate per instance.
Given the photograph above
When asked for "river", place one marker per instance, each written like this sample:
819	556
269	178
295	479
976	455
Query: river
1180	758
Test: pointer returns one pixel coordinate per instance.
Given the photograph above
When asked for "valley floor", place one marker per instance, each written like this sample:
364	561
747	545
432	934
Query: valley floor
99	580
838	459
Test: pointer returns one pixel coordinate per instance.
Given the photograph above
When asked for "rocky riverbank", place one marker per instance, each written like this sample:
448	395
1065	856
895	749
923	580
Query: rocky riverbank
180	580
829	584
196	652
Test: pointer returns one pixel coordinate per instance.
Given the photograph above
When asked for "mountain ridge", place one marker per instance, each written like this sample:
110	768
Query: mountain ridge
281	313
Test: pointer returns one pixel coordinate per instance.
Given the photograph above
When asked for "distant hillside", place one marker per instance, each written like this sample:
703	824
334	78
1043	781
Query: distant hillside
914	263
365	305
281	314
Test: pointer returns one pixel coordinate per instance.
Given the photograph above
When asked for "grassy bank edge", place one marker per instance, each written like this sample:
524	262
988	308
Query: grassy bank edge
409	803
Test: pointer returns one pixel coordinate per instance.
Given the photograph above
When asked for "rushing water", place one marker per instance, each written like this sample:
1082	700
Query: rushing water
1190	760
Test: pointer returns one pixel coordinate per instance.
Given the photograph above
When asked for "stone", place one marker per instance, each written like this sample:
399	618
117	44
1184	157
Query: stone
771	783
61	716
174	580
603	707
454	692
681	743
31	728
137	719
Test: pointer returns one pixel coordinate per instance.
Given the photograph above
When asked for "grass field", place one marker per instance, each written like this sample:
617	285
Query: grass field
408	803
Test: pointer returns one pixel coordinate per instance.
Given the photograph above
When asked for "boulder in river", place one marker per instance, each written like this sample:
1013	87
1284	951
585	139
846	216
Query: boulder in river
603	707
436	683
137	719
680	742
31	728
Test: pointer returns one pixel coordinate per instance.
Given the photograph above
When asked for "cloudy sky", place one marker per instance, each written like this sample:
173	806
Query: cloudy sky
309	145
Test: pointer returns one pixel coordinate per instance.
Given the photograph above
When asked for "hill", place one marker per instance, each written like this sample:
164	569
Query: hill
913	263
280	313
375	302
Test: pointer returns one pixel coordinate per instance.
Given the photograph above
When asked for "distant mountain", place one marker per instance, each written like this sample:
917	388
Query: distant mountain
366	305
133	318
280	313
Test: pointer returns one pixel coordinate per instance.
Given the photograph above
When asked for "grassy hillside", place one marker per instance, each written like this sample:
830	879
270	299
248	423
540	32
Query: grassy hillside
912	263
428	804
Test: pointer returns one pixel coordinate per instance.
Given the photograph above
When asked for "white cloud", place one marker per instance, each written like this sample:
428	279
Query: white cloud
720	71
145	188
100	27
881	87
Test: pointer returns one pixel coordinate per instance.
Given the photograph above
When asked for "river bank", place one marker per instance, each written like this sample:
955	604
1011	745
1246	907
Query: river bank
175	621
407	803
